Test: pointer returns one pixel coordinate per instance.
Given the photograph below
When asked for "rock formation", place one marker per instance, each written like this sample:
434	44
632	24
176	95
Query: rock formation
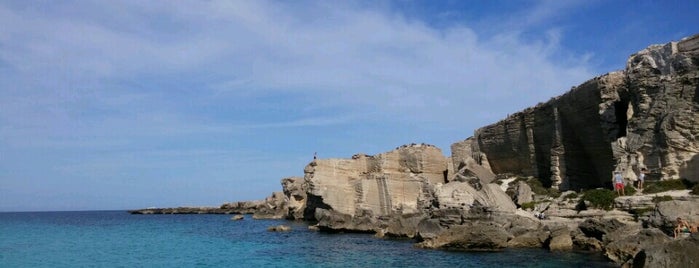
355	193
642	117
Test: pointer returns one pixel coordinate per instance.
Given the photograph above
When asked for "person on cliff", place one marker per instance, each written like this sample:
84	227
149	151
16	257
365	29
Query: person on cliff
641	178
682	227
618	181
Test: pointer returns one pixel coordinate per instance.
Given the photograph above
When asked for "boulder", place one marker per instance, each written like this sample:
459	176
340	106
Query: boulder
279	228
294	189
472	236
598	229
273	207
237	217
523	193
560	239
625	248
666	213
676	253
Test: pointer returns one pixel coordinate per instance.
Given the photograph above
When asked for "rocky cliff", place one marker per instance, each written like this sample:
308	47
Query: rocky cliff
642	117
392	192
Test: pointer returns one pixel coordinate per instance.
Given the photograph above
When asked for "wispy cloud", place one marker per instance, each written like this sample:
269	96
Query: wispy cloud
98	79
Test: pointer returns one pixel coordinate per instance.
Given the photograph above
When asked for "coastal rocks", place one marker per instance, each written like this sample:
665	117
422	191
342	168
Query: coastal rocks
521	193
242	207
273	207
279	228
666	213
472	236
188	210
624	248
600	229
642	117
560	239
370	187
676	253
294	189
463	195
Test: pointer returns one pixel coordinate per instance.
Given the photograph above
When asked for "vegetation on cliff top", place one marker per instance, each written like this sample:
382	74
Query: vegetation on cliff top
668	185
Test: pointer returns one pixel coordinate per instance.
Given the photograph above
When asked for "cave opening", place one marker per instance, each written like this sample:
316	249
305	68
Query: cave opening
620	110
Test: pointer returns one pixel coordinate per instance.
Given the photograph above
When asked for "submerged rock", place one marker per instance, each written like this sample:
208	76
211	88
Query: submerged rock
279	228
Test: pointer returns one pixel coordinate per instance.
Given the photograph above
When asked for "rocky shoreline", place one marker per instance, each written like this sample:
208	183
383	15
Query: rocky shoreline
540	178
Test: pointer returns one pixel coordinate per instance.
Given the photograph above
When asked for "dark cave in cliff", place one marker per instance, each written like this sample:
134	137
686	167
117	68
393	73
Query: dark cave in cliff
620	109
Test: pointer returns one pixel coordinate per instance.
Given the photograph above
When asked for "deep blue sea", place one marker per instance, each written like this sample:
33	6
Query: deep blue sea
119	239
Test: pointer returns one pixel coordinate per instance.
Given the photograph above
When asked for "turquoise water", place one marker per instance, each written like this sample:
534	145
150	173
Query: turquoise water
118	239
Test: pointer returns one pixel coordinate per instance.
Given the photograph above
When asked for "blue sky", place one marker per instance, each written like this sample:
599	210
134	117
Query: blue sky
130	104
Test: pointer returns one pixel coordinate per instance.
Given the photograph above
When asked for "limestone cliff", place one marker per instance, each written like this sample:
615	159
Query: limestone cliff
392	192
381	185
642	117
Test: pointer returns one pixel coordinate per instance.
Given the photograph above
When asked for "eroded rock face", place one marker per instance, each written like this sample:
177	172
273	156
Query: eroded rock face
625	248
392	183
295	191
642	117
676	253
665	215
470	236
274	206
393	192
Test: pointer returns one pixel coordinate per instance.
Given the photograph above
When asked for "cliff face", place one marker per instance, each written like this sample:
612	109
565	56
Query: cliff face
642	117
378	185
391	193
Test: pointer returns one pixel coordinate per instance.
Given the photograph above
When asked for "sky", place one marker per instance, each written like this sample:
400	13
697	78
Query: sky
108	105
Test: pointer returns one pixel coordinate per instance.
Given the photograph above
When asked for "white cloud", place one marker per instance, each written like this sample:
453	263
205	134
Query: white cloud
101	75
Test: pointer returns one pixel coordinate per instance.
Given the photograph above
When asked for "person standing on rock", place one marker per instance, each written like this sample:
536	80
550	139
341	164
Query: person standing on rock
641	178
618	181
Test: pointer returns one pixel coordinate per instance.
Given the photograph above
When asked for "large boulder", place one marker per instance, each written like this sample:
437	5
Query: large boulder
295	191
274	206
464	195
560	239
625	248
600	229
472	236
666	213
676	253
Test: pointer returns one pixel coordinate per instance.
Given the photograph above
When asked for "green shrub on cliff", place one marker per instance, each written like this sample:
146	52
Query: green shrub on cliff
667	185
658	199
528	205
598	198
629	190
539	189
695	190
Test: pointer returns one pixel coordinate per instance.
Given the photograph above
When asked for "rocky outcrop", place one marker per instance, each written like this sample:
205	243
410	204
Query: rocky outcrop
365	189
665	214
642	117
676	253
275	206
243	207
279	228
469	236
295	191
393	192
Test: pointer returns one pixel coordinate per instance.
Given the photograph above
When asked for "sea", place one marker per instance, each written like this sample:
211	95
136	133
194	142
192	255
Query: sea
119	239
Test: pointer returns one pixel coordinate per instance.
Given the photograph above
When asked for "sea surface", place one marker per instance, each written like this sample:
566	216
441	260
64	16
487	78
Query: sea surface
119	239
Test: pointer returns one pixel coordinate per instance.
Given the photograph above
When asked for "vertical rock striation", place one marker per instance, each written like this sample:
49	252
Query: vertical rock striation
642	117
